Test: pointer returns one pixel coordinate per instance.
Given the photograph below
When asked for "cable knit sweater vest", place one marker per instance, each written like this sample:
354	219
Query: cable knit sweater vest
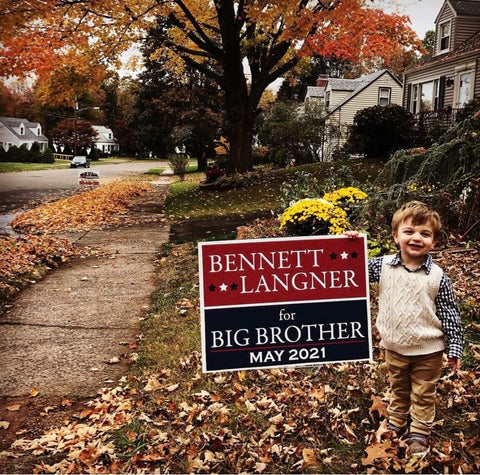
406	317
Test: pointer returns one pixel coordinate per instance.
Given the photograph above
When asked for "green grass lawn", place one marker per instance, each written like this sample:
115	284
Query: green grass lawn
22	167
58	164
187	200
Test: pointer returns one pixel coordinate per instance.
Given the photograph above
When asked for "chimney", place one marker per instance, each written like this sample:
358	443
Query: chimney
322	80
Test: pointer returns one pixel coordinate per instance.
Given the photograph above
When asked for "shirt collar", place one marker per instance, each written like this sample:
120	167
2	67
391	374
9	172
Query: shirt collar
397	260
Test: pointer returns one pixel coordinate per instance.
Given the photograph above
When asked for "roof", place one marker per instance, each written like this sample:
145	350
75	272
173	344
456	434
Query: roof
12	123
104	134
343	84
470	45
466	7
315	91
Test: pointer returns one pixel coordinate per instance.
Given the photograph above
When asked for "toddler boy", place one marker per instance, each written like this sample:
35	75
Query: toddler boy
418	319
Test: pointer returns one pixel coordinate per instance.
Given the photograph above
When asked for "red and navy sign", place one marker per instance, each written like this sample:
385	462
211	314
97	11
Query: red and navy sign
284	302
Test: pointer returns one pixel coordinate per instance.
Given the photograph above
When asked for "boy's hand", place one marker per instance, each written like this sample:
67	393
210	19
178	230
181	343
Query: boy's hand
351	234
453	364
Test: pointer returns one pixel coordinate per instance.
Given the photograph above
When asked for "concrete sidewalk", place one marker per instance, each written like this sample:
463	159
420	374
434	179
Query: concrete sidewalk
70	333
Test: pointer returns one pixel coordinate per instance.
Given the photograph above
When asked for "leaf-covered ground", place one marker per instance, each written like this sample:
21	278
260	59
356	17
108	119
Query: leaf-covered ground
169	417
102	206
27	258
166	416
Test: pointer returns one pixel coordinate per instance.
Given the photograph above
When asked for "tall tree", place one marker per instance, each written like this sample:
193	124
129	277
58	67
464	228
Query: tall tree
77	135
243	45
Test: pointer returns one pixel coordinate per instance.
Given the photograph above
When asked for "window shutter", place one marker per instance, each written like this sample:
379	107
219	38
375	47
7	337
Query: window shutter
441	92
409	97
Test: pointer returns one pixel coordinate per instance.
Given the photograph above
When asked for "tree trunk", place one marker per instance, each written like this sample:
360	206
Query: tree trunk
241	144
240	118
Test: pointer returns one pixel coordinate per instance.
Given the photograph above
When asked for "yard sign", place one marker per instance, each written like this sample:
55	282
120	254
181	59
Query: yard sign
283	302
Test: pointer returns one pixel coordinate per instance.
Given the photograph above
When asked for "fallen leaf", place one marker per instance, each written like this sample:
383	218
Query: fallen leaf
13	407
378	406
377	451
34	392
4	424
309	457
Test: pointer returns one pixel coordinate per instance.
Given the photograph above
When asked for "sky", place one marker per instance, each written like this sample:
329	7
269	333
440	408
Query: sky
422	13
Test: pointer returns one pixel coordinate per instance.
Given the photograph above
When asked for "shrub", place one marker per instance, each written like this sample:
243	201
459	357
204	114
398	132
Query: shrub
260	155
34	154
306	185
469	109
380	130
47	156
212	174
94	154
240	180
179	164
446	176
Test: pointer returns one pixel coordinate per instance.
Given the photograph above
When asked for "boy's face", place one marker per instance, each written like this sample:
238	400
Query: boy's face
415	241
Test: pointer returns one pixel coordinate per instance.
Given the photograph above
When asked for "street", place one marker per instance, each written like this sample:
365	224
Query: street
20	188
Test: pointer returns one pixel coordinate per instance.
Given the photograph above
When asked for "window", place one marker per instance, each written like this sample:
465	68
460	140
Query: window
444	36
22	130
436	94
414	108
384	95
327	99
465	88
425	96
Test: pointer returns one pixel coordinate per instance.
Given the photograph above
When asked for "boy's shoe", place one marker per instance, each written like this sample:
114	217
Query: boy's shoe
398	431
418	444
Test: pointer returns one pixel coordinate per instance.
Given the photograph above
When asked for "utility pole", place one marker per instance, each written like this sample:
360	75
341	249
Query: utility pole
76	110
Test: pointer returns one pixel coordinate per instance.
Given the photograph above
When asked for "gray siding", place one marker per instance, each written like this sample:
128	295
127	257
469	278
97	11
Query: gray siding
448	69
465	28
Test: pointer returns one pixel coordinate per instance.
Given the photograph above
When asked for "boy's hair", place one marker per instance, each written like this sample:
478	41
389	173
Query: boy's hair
419	213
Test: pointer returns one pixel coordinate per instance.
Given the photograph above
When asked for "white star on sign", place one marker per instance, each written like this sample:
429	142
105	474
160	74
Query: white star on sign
344	255
223	287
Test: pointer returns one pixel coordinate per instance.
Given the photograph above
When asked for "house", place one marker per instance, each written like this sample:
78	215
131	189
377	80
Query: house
21	132
450	78
105	141
343	98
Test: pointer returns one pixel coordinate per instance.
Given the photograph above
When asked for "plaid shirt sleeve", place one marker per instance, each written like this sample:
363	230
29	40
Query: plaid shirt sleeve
449	315
374	269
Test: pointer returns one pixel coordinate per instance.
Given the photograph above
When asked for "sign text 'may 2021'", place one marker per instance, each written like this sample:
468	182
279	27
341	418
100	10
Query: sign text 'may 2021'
284	302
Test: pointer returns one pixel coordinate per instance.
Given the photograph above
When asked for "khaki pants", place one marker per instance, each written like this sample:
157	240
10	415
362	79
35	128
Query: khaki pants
413	381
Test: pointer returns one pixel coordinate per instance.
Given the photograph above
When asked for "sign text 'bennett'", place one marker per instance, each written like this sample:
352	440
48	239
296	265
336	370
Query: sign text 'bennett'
299	272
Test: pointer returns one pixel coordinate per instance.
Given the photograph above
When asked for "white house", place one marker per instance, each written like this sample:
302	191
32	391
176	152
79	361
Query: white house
343	98
105	141
21	132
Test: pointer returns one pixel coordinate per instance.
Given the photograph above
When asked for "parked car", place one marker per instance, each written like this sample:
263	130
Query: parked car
80	161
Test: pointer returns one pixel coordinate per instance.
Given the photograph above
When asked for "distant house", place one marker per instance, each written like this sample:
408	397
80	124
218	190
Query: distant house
20	132
343	98
105	141
451	77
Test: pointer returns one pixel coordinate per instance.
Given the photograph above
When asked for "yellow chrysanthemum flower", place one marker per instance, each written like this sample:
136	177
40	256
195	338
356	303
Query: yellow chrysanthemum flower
314	216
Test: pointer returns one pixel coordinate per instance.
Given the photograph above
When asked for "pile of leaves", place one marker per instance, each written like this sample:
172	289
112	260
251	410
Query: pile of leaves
26	259
171	418
102	206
